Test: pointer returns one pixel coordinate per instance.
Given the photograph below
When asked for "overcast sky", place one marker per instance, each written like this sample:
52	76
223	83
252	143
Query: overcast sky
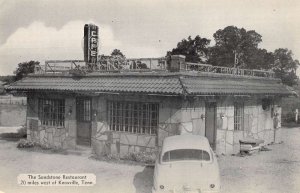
53	29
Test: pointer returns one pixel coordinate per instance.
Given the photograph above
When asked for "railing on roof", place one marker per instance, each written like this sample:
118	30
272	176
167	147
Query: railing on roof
116	63
226	70
107	64
104	64
59	66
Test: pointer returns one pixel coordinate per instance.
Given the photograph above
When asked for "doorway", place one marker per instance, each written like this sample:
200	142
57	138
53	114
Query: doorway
210	123
84	121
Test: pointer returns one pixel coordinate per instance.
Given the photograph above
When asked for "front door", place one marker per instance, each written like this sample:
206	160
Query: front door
210	123
84	119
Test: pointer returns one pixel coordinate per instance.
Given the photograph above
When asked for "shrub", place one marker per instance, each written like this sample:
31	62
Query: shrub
29	145
139	158
113	157
143	157
24	143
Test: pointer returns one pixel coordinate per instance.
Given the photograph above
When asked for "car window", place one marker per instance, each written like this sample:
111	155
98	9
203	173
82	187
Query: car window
185	154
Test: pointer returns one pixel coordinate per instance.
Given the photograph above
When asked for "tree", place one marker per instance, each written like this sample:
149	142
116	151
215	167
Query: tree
195	50
234	47
237	47
237	43
25	68
139	65
285	66
7	79
259	59
117	52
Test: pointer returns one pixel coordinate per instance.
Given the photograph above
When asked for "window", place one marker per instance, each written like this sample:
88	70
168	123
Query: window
52	112
133	117
238	116
185	154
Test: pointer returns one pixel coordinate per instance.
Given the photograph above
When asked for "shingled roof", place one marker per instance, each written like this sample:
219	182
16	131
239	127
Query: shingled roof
155	83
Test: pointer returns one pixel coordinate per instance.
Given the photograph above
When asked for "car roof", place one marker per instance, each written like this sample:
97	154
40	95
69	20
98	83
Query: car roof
185	141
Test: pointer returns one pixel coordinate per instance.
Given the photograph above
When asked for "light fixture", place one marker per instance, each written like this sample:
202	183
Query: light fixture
202	116
95	113
70	111
222	115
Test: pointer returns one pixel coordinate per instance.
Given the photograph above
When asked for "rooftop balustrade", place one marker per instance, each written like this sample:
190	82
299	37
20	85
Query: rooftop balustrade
107	64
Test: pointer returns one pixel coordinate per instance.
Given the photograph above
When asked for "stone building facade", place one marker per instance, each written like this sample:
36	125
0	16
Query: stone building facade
128	112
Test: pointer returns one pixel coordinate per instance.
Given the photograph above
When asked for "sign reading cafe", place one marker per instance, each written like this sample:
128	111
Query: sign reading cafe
90	43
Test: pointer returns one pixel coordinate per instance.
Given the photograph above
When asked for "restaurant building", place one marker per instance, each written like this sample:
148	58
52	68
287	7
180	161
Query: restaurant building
126	109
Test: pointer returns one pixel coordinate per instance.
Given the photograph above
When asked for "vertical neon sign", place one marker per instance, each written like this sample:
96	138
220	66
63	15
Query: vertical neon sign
90	43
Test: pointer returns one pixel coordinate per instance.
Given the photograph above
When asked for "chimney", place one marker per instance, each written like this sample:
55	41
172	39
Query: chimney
177	63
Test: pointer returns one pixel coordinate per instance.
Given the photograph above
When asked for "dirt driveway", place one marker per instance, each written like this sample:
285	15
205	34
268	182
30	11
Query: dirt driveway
276	171
271	171
111	178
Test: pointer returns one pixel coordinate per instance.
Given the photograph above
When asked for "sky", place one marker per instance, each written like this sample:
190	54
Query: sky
53	29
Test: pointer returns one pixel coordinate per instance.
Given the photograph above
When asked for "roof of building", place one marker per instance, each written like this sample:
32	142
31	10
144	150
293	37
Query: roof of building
155	83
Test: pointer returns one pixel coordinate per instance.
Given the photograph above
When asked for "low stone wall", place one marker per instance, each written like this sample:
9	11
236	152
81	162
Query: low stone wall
49	136
105	141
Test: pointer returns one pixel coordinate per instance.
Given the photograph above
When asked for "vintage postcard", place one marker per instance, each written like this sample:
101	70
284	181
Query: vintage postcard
163	96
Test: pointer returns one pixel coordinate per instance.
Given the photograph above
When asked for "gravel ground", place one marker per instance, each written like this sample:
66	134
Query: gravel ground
277	170
111	177
273	171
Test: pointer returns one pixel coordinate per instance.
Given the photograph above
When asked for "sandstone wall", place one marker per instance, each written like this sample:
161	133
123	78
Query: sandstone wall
105	141
176	116
57	137
258	124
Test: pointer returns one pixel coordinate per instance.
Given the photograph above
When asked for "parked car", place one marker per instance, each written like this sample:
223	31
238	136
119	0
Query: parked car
186	164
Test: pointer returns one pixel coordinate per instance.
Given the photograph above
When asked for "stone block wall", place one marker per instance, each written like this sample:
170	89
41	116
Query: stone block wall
193	117
258	124
176	116
225	129
181	117
105	141
50	136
